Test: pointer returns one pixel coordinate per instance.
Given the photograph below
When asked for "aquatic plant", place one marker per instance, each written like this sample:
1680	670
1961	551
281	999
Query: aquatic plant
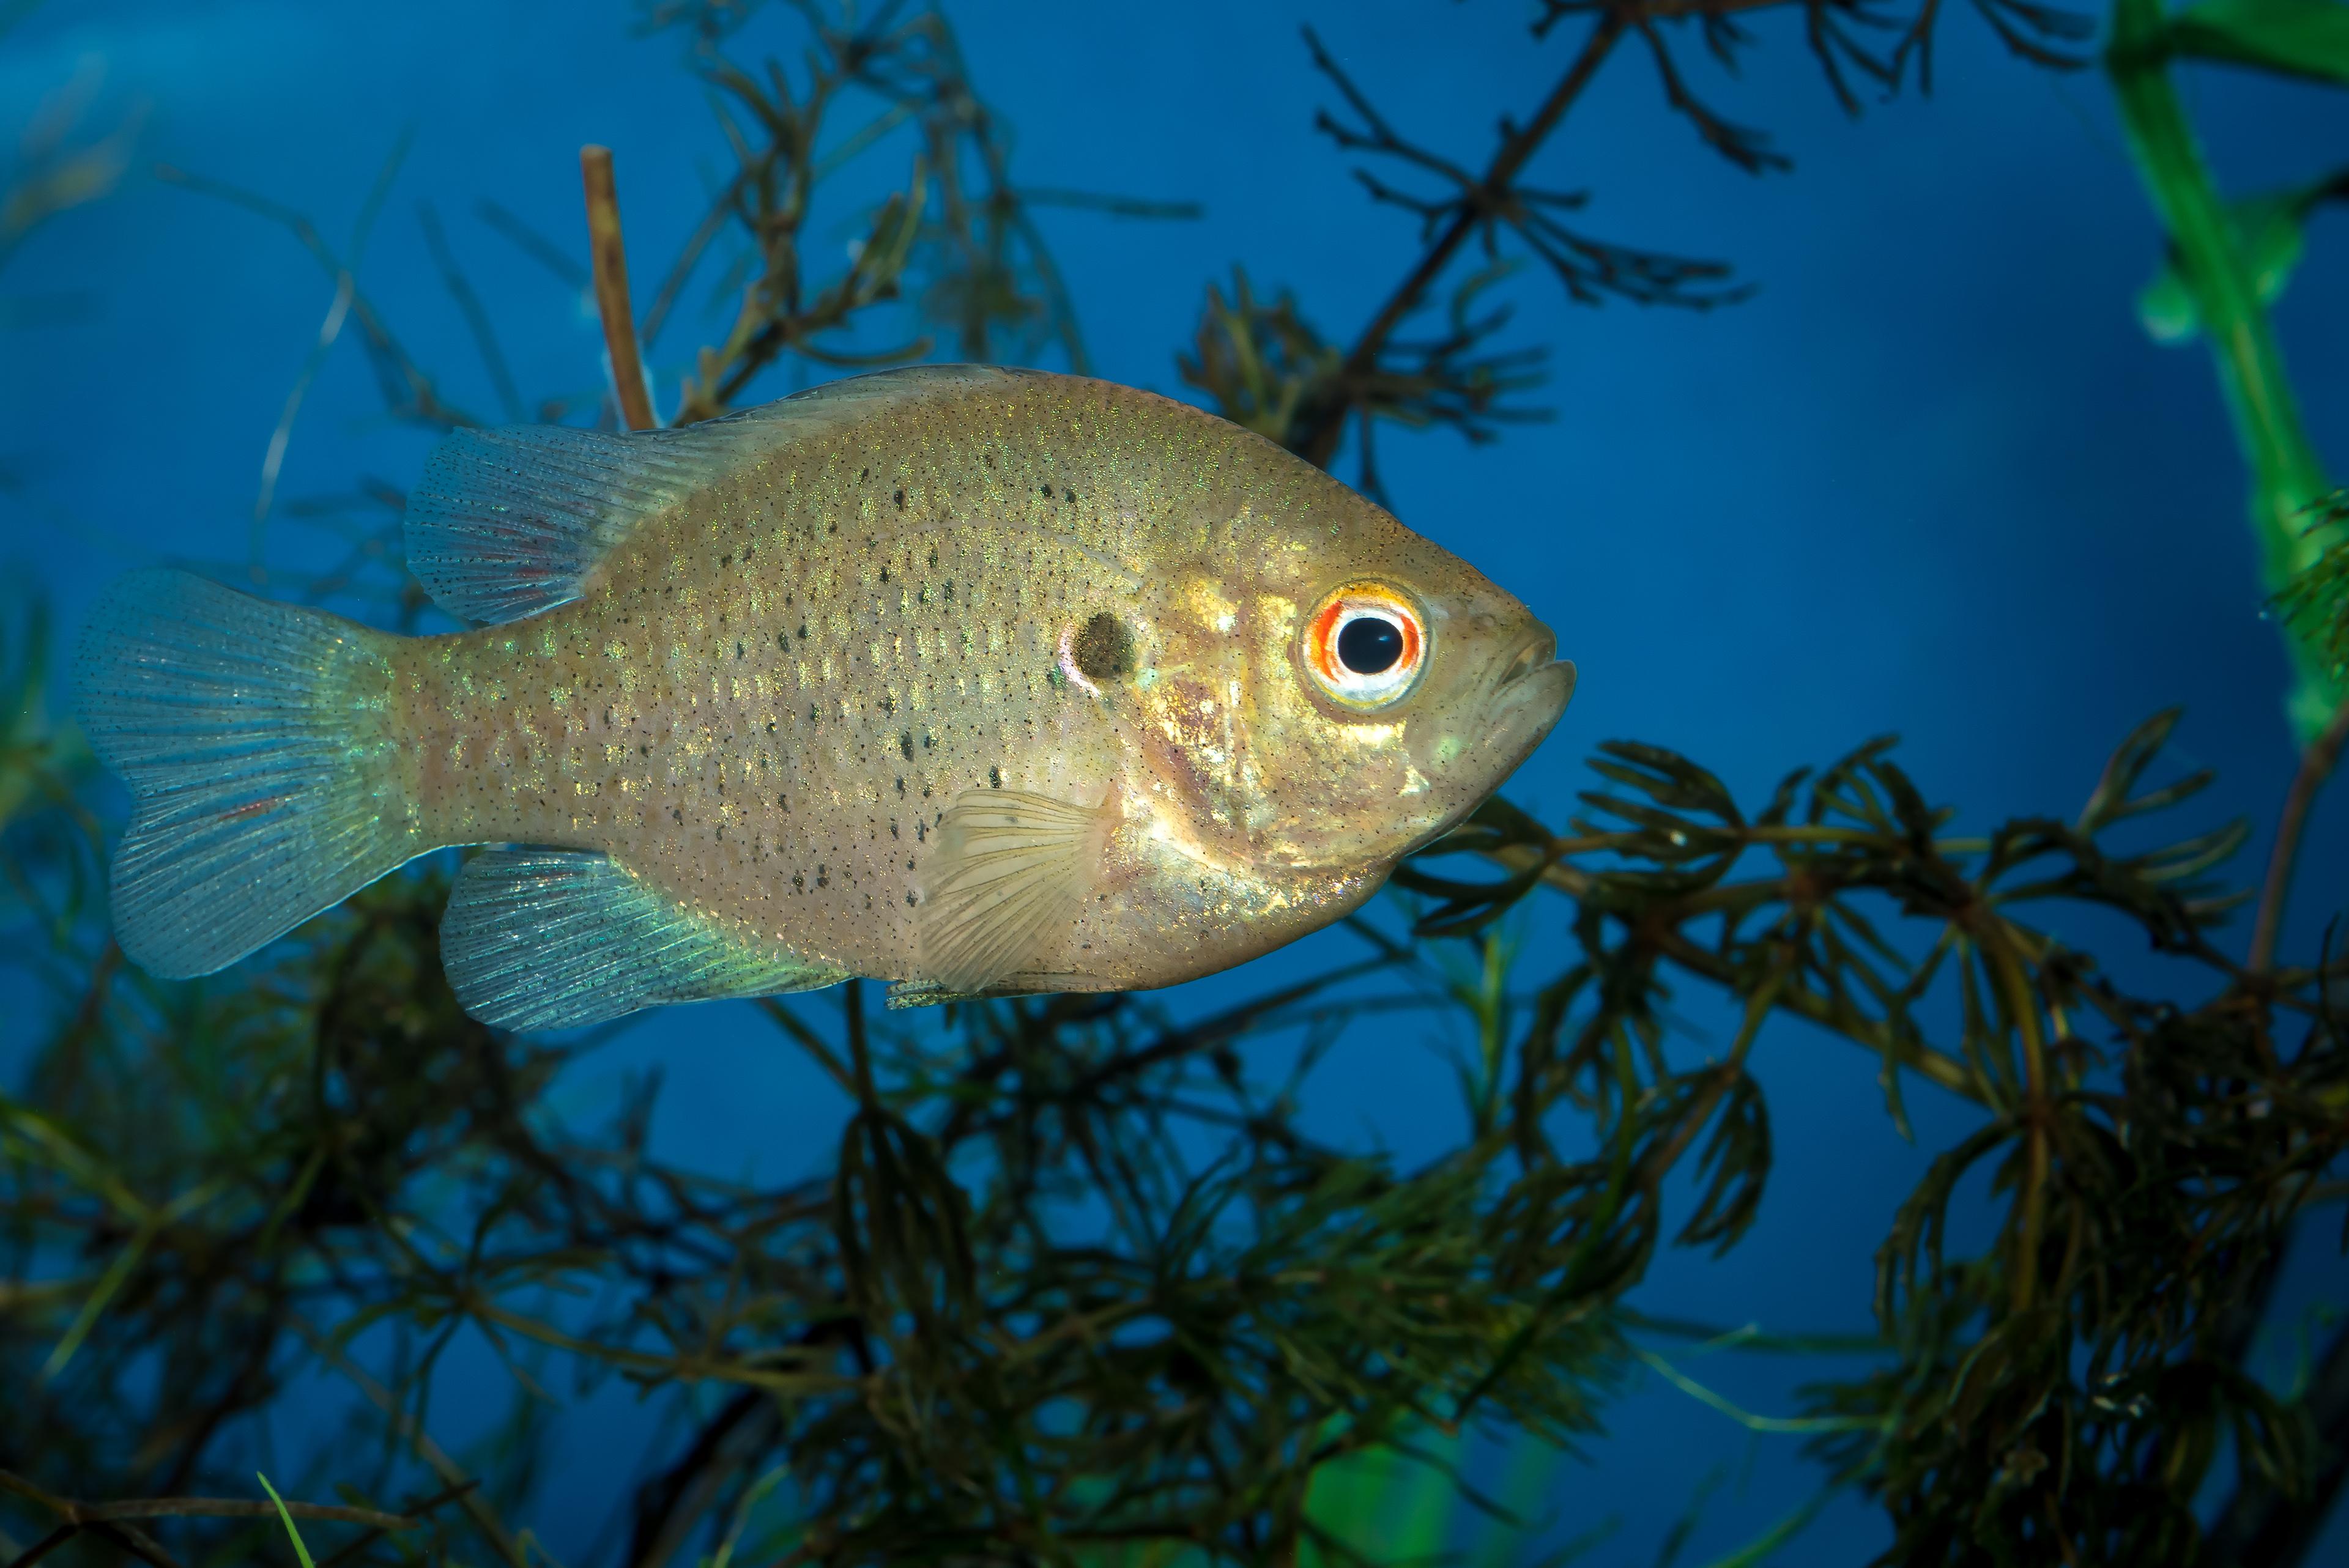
1077	1287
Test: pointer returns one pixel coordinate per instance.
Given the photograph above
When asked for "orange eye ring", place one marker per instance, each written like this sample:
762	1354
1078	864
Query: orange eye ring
1365	645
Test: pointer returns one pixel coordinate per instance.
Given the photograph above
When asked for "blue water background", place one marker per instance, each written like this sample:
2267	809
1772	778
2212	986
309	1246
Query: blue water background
1932	478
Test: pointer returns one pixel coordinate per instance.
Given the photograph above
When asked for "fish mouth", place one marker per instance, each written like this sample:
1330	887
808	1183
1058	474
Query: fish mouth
1538	651
1531	686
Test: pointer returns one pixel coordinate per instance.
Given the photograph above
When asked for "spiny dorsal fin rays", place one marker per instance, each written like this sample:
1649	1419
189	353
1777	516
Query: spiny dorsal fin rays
505	523
1011	874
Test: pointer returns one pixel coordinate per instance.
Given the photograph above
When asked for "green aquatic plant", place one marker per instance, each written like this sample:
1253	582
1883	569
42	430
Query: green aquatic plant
2228	262
1080	1284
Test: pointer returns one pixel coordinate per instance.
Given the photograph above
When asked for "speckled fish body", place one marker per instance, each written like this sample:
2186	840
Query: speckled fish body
971	680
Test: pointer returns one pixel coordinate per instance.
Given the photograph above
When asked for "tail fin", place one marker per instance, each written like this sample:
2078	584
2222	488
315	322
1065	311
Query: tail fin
256	739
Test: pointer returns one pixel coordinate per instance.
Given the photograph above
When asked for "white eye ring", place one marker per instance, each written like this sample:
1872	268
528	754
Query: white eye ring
1365	645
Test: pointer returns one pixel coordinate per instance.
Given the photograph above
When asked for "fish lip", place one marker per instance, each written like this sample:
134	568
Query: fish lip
1538	650
1527	698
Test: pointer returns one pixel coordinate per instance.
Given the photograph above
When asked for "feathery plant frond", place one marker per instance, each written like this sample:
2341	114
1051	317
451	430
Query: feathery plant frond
1078	1286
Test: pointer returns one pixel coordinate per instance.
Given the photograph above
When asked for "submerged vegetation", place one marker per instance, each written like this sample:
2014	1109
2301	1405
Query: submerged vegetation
1078	1288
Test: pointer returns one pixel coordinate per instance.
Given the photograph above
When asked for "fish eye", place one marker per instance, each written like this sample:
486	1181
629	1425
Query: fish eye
1365	645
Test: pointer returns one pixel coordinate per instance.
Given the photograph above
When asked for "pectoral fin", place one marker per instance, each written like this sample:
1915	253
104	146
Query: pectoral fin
1011	872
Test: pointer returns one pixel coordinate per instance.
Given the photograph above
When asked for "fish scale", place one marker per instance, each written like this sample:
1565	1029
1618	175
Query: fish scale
974	681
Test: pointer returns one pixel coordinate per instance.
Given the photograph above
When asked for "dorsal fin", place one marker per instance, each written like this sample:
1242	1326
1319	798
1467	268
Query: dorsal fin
508	522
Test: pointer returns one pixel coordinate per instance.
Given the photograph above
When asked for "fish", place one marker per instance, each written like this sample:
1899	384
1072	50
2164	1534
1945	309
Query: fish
975	681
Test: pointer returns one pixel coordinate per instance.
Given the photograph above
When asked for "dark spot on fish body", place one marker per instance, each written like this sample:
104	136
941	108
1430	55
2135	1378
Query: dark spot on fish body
799	883
906	744
921	832
900	499
909	900
995	778
901	789
1047	491
884	574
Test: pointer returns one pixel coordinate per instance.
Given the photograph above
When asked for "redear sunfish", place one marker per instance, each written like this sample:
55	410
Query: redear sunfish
978	681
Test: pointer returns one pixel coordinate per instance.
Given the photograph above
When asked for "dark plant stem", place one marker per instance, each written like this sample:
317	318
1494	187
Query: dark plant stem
611	258
2266	1527
1322	430
852	1006
2316	764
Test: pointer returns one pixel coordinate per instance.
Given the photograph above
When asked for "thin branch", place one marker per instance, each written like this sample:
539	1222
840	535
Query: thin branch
611	258
469	305
75	1513
2316	765
1323	428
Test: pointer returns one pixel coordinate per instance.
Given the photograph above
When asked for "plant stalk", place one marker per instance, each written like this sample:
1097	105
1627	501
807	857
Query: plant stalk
611	259
2286	476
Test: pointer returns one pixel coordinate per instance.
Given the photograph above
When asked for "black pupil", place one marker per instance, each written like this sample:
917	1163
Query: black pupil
1369	645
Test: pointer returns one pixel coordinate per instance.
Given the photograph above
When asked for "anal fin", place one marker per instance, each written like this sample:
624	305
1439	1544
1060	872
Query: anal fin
1011	874
924	994
555	939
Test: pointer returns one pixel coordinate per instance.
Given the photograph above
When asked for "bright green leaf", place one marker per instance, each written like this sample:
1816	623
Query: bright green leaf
300	1550
2270	228
2299	37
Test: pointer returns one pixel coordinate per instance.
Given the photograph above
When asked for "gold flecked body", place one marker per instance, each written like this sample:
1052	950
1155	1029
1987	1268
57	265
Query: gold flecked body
768	697
978	681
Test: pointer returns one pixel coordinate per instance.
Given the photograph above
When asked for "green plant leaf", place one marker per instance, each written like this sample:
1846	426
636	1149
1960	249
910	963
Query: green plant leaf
2271	230
300	1550
2297	37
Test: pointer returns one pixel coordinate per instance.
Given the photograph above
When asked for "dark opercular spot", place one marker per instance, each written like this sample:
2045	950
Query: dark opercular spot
1369	645
1105	648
